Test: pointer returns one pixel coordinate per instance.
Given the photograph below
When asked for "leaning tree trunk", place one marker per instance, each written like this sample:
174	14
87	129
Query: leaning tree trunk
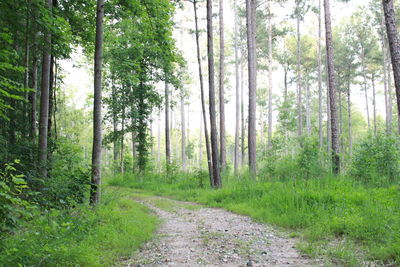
222	137
394	45
332	89
44	101
203	101
213	120
320	132
252	71
237	97
269	142
97	137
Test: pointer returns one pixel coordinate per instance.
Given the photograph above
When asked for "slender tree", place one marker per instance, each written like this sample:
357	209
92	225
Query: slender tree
319	50
298	73
213	121
183	131
394	46
203	101
97	135
222	136
332	89
237	86
44	100
167	130
252	73
269	75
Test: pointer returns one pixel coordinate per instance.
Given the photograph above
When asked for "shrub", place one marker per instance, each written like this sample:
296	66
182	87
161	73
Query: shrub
377	160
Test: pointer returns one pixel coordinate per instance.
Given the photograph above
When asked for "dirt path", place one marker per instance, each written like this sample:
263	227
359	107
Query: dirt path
191	235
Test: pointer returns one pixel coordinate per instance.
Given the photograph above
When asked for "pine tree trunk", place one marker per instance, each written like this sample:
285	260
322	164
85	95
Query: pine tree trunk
167	130
269	142
394	45
252	62
385	75
332	89
222	137
349	119
203	101
390	92
298	78
44	101
213	120
365	86
183	133
308	109
32	95
159	142
97	135
237	96
242	114
374	102
320	132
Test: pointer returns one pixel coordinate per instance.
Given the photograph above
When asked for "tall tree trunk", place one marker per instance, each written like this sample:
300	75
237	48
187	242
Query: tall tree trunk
385	75
222	137
51	102
44	101
133	137
183	133
213	121
167	130
365	86
328	124
237	96
122	159
332	89
269	142
320	132
394	45
203	101
349	119
115	127
159	142
32	95
374	102
26	59
340	122
308	109
242	113
390	93
298	73
252	62
201	143
97	135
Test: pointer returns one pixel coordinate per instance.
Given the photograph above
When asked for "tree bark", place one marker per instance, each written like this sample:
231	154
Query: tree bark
394	45
252	72
167	130
332	89
44	101
222	137
237	91
242	114
213	121
32	95
97	134
320	132
385	75
298	78
365	86
349	119
183	132
374	102
203	101
122	158
159	142
269	142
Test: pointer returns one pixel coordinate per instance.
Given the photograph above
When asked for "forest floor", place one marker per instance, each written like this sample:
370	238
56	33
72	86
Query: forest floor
192	235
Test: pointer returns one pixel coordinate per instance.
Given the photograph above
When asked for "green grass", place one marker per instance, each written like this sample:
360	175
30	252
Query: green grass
322	210
82	236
